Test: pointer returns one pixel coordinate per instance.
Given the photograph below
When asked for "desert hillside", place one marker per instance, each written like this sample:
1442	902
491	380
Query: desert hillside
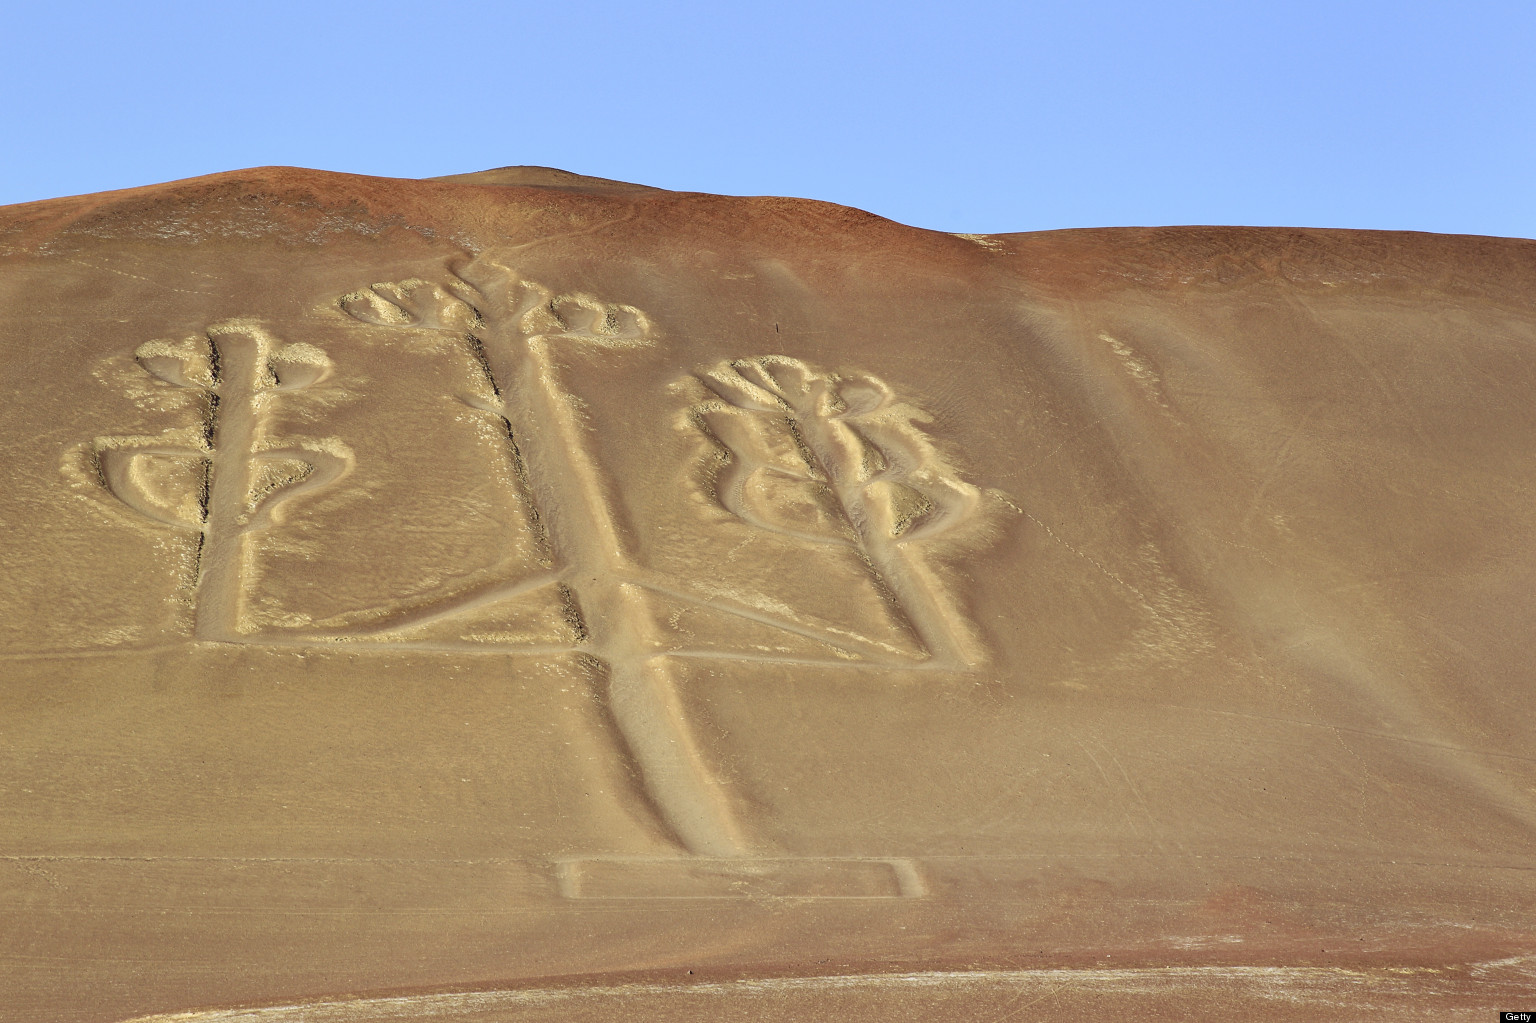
520	595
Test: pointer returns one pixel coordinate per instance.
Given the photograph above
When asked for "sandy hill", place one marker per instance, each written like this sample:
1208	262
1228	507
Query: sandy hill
521	595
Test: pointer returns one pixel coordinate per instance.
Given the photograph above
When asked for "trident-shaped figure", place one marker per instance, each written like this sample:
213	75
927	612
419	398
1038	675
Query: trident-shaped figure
814	456
234	481
525	325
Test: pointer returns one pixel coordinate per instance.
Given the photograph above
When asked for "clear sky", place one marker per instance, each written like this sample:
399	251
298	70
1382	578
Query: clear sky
960	116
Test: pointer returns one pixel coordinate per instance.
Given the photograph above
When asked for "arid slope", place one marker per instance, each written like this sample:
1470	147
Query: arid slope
525	596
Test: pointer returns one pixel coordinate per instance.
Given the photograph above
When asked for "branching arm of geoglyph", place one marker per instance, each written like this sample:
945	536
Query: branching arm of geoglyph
838	459
514	330
227	479
508	327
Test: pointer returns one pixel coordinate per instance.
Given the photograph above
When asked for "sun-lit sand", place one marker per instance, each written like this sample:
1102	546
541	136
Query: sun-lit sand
520	596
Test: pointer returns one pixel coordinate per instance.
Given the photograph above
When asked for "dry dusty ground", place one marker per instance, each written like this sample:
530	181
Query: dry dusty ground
522	597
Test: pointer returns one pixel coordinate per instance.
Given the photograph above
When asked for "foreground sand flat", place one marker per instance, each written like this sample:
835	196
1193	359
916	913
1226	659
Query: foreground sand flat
518	596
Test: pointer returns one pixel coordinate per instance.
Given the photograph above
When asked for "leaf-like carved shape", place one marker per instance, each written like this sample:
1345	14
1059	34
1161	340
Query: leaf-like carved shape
412	302
606	323
895	509
787	424
483	294
837	458
805	508
763	385
164	484
281	474
763	440
182	363
298	365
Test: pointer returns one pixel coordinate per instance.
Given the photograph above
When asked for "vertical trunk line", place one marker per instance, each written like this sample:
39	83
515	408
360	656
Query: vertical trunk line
238	369
915	600
652	728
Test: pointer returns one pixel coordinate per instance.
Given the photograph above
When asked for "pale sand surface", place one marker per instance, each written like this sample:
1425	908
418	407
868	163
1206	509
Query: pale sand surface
519	596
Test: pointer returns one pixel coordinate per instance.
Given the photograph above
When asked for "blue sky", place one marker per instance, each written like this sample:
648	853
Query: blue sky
960	116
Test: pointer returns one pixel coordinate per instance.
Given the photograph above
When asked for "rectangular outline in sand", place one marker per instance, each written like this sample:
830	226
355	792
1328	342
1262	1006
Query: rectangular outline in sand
747	877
